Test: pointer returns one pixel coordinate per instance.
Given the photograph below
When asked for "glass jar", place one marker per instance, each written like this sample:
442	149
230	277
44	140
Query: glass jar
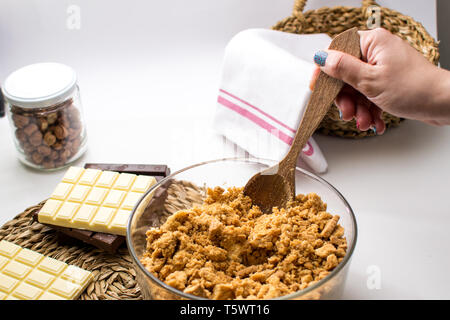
43	104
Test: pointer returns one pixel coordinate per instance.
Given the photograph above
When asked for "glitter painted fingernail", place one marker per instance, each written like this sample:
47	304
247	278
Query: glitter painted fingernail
340	114
357	124
374	129
320	57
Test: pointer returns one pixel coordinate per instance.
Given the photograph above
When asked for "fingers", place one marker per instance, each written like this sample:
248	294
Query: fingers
346	105
377	121
347	68
353	104
370	40
363	116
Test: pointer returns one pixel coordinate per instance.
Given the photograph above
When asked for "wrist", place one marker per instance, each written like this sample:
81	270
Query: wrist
439	108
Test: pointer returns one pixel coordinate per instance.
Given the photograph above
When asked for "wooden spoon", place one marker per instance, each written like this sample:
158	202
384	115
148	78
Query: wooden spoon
275	186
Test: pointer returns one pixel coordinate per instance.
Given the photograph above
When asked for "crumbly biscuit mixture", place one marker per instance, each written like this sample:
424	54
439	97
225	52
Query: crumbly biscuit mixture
228	249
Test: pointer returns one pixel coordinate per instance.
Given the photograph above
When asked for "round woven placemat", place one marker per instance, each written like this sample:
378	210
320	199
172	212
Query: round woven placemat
114	275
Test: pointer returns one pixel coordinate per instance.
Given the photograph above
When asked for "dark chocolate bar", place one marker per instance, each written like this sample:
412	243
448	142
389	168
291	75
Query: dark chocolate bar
158	171
105	241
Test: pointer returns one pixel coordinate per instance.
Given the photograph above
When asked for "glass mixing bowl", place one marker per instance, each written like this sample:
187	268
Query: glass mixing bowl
166	198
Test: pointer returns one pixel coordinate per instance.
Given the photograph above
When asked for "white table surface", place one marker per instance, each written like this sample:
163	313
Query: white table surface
148	82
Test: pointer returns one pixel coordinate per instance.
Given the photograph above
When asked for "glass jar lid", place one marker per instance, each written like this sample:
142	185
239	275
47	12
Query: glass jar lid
39	85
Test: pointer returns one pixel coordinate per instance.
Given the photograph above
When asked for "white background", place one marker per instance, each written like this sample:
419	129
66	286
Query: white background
149	72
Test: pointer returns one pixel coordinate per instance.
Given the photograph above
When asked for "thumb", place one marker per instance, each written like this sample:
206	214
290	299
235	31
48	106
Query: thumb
347	68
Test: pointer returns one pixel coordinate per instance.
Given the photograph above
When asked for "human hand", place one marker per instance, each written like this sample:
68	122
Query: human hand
392	76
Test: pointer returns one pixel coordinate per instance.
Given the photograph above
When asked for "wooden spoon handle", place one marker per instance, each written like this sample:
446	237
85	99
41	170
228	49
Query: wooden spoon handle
325	92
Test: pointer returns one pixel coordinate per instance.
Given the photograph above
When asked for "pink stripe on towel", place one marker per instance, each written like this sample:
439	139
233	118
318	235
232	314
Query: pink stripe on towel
308	149
259	110
254	118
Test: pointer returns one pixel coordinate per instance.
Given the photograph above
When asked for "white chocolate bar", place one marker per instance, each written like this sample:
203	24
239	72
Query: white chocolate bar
95	200
29	275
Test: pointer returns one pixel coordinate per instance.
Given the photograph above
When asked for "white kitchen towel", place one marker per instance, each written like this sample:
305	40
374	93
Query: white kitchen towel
264	90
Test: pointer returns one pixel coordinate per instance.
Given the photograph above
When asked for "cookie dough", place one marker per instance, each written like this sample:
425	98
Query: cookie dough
227	248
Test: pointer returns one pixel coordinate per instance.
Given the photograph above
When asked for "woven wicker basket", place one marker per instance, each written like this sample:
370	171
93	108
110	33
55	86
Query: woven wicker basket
333	21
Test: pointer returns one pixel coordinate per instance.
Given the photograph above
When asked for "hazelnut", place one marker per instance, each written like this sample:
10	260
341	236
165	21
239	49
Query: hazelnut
57	146
49	139
51	129
73	113
30	129
74	133
60	132
65	154
59	163
37	158
75	145
20	121
48	164
52	117
21	136
63	157
75	124
28	148
43	124
68	150
44	150
64	120
54	155
62	160
36	138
